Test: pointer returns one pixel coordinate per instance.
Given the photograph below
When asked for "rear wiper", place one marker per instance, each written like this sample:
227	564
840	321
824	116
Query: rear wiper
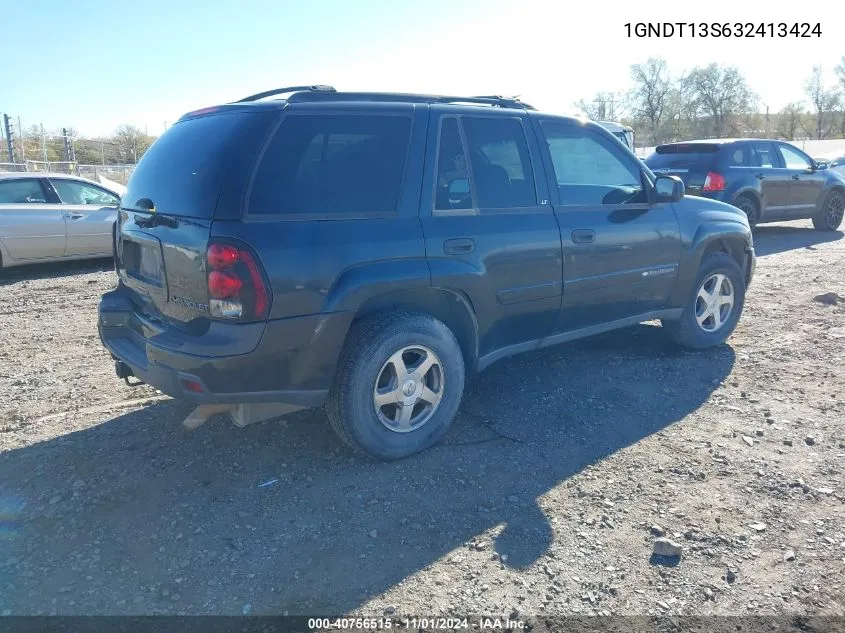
155	219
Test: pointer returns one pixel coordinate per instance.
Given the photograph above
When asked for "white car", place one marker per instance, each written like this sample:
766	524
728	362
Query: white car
624	133
54	217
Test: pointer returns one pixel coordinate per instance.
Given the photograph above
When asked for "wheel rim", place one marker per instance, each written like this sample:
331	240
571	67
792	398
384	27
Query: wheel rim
834	210
408	389
714	302
747	207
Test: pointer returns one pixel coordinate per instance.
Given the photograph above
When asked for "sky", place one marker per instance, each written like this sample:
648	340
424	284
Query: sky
93	65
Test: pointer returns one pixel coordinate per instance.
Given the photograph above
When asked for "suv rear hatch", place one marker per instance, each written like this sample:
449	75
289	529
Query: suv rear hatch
195	172
691	162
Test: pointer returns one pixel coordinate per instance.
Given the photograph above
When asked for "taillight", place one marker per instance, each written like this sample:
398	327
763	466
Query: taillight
714	182
223	285
237	288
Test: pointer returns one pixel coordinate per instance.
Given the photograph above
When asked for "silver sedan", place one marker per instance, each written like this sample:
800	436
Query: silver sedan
54	217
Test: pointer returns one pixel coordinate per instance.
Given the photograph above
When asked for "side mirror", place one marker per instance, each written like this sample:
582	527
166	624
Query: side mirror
820	165
669	188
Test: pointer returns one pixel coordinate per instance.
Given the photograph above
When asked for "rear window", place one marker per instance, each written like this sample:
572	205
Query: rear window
683	156
184	170
332	164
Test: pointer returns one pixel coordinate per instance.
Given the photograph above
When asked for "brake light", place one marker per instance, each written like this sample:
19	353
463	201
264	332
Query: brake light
223	285
236	283
714	182
222	256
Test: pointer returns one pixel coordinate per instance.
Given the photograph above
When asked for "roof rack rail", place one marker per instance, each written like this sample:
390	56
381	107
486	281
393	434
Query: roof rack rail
278	91
311	95
507	102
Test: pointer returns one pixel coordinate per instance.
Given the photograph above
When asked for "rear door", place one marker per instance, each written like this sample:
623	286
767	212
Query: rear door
31	222
196	171
489	229
620	253
806	185
89	212
765	164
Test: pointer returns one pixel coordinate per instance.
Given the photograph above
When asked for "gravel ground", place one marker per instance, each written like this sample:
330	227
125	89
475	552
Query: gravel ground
562	470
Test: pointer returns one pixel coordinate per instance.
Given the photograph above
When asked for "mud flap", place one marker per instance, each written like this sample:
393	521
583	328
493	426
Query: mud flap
245	414
241	414
200	415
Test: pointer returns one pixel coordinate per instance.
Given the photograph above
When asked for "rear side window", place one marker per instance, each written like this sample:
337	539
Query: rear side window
184	170
501	167
21	191
332	164
737	156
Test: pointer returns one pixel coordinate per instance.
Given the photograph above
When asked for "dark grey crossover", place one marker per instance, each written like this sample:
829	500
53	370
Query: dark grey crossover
363	252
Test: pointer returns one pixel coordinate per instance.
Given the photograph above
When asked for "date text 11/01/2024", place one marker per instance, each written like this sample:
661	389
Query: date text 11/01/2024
723	29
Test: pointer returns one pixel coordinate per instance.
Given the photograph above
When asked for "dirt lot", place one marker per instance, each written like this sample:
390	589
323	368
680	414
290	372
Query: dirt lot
543	500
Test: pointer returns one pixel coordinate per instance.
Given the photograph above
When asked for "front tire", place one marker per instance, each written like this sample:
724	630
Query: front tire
399	383
714	306
829	217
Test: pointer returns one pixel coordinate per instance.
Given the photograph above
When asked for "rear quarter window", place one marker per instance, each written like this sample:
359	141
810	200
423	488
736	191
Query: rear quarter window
332	164
184	171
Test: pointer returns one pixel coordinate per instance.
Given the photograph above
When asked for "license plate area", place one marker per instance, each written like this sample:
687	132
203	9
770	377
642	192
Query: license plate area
143	262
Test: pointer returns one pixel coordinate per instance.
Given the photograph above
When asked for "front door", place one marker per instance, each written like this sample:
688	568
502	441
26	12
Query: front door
805	187
620	253
31	223
90	213
489	230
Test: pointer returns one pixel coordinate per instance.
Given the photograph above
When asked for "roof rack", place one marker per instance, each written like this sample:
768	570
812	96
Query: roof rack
326	95
279	91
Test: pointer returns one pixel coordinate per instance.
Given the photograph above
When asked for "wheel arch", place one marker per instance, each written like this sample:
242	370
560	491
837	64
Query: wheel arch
450	306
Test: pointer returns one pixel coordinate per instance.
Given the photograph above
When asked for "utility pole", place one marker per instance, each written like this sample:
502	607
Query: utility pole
10	145
23	142
44	145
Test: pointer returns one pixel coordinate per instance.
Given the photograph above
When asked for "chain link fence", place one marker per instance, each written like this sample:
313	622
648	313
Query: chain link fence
115	173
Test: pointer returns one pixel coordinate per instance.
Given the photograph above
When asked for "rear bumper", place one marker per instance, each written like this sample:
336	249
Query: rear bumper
290	361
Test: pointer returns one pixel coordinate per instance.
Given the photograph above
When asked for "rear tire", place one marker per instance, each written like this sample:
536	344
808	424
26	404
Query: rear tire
714	305
829	217
406	361
750	206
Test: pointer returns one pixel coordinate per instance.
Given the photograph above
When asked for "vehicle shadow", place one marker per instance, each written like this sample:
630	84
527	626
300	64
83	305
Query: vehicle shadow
777	238
136	515
54	270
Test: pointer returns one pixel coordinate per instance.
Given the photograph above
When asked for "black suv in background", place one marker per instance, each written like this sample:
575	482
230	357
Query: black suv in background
769	180
364	251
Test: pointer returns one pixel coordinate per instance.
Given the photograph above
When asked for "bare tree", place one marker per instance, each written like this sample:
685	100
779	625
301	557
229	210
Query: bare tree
131	143
789	120
721	95
605	106
840	74
651	93
825	103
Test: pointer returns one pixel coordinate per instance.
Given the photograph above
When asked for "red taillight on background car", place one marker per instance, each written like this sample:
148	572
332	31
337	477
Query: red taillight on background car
237	288
714	182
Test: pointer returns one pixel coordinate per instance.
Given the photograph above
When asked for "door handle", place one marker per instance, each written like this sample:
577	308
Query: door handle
583	236
73	216
458	246
796	177
760	177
